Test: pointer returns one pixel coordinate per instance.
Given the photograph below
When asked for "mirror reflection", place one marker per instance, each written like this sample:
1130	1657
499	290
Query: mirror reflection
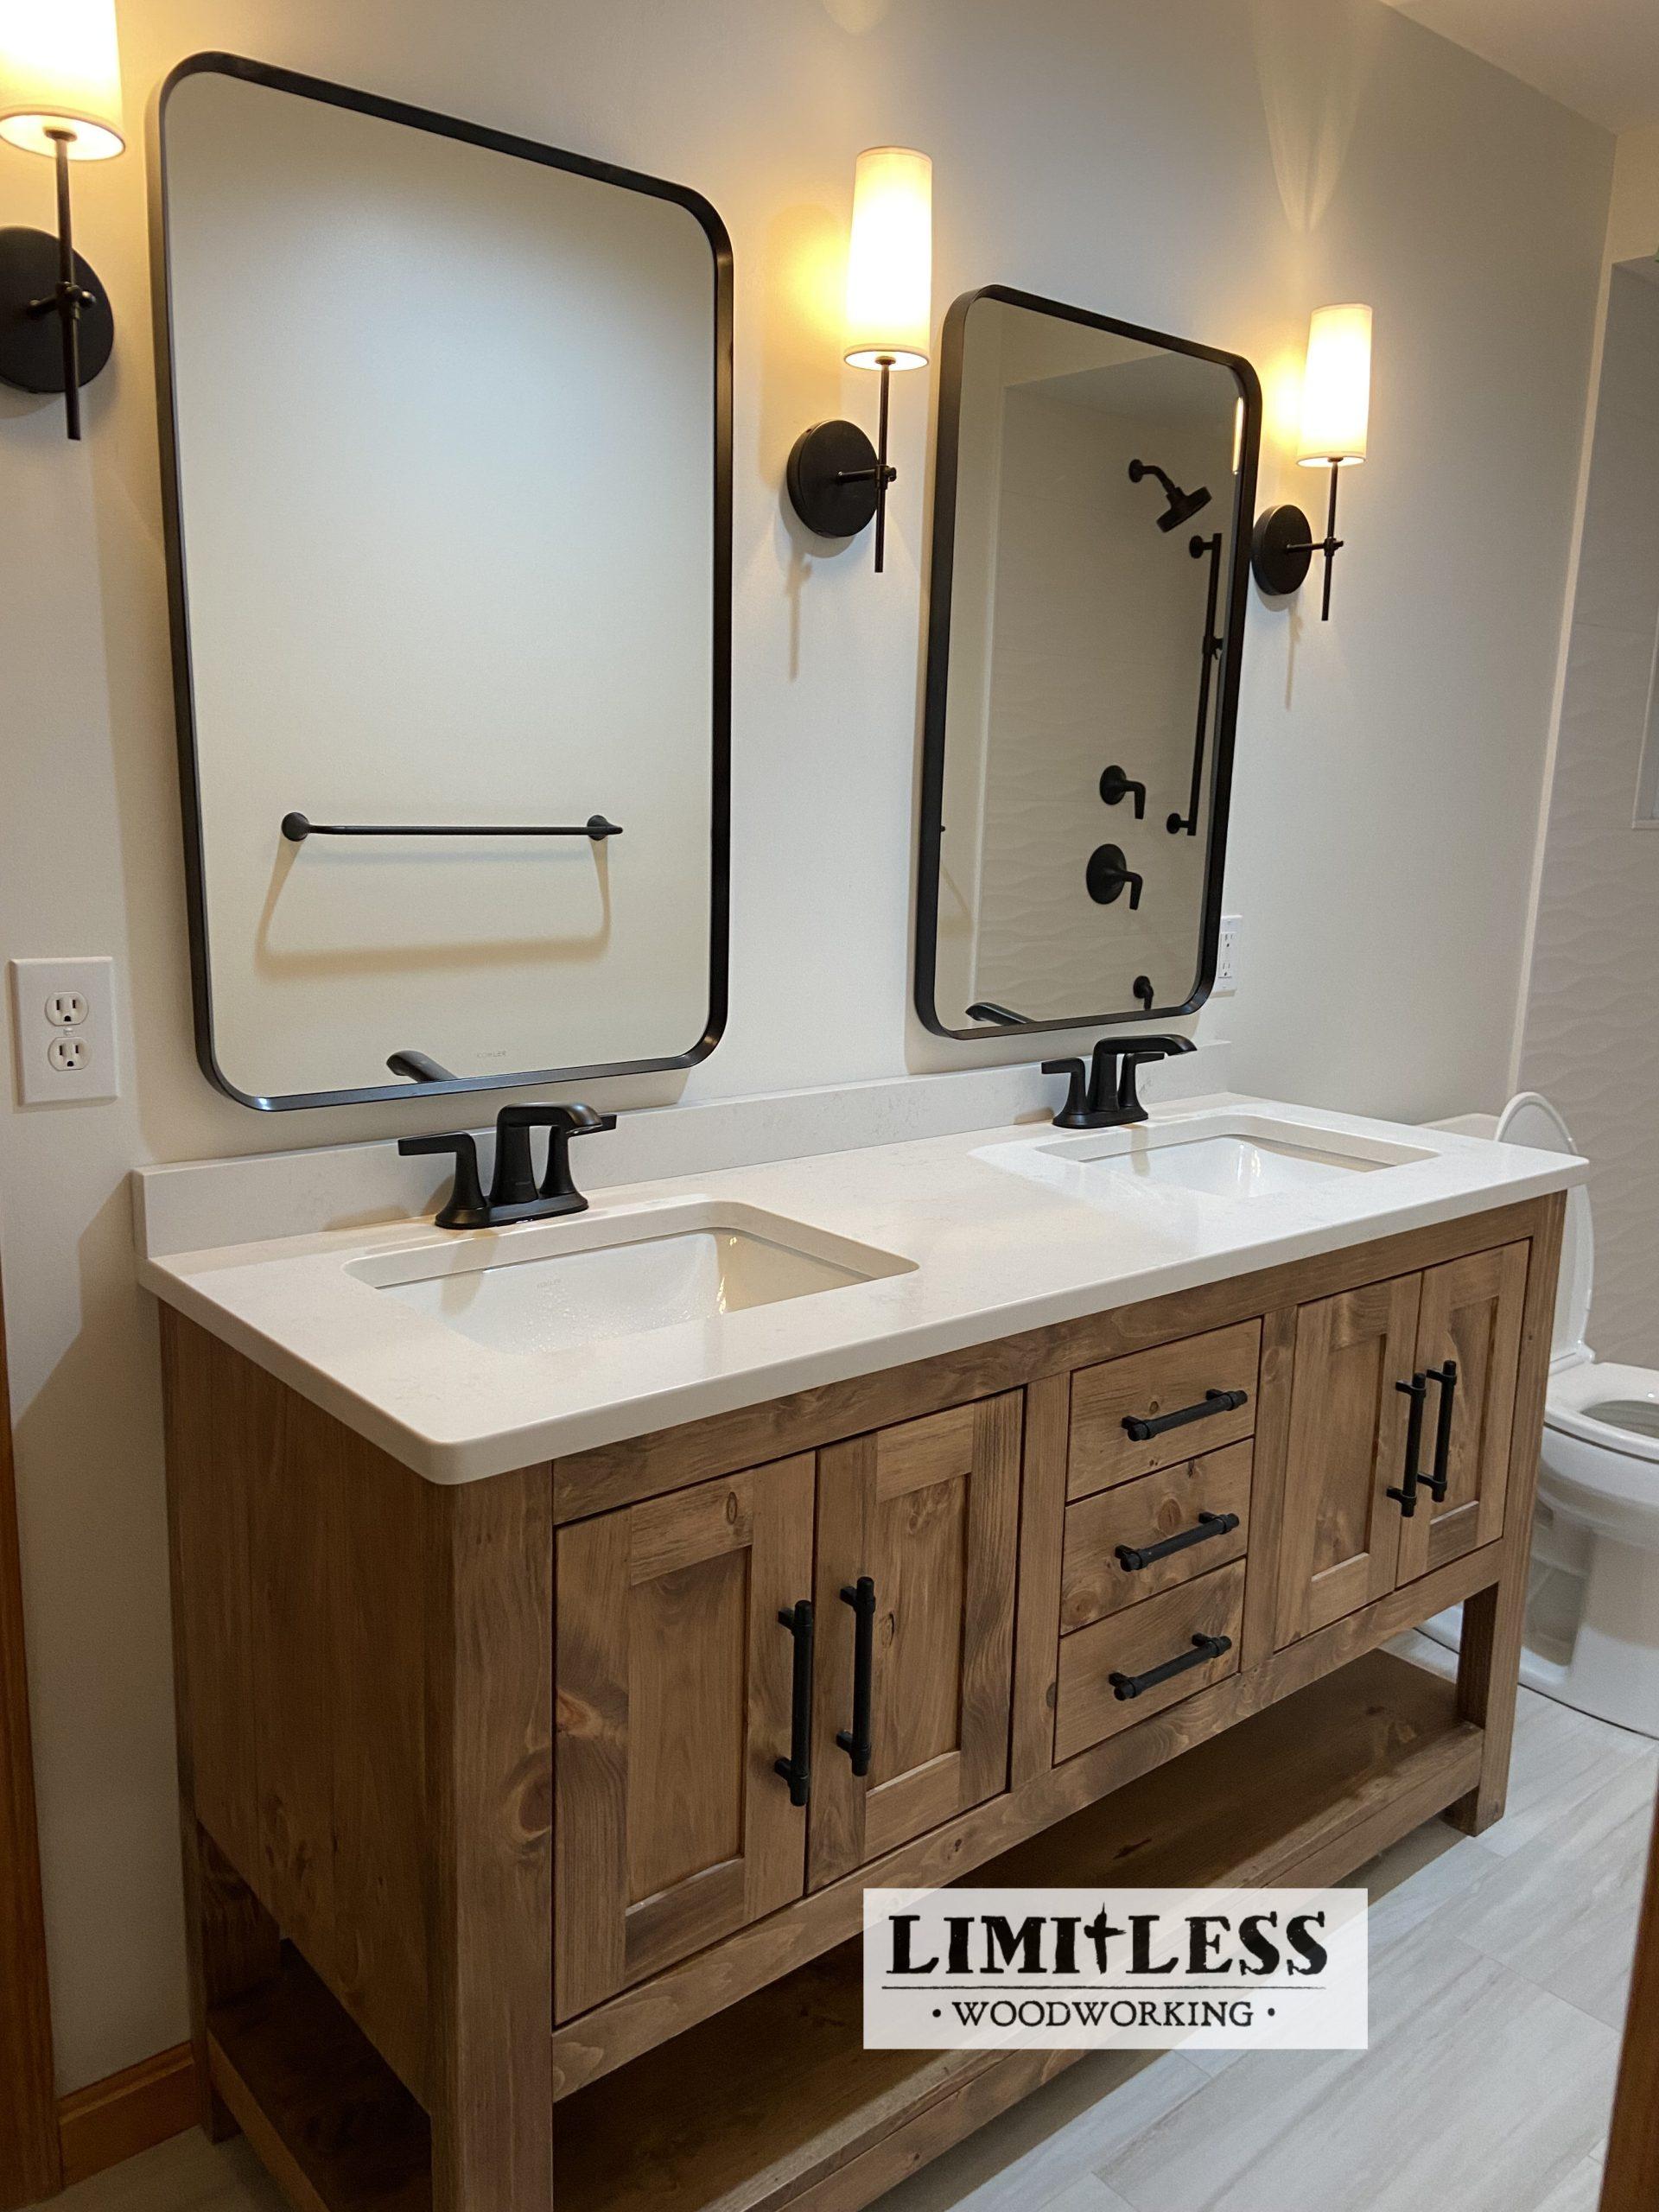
452	538
1089	573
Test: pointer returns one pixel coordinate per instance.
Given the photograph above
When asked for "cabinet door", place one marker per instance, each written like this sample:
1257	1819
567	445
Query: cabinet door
1471	1316
1340	1545
674	1683
930	1512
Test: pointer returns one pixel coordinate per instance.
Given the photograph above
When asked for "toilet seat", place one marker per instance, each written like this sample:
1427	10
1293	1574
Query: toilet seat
1530	1119
1586	1402
1591	1632
1598	1464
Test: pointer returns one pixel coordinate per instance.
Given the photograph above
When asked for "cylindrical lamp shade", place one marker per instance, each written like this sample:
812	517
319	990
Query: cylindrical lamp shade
1336	388
890	260
61	69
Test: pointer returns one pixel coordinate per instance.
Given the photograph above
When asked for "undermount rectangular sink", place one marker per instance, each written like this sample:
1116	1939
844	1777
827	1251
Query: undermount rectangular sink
1216	1156
554	1286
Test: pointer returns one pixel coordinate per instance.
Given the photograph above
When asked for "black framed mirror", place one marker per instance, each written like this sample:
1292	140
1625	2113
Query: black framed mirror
446	426
1091	522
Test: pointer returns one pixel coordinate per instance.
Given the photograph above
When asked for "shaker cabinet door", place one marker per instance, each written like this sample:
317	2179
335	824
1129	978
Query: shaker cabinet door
919	1524
1340	1546
1468	1349
675	1675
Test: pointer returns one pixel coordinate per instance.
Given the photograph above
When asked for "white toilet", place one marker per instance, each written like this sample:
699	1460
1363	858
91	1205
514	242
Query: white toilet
1591	1635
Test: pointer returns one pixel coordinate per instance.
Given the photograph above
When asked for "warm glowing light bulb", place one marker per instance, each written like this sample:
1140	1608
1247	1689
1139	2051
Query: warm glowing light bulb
1336	388
890	261
60	74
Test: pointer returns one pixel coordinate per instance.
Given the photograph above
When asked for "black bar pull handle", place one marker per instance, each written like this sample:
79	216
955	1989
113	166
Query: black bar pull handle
856	1741
796	1768
1132	1557
1440	1481
1143	1428
1205	1648
1405	1493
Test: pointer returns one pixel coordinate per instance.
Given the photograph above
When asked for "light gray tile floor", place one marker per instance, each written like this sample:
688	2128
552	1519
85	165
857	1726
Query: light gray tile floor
1498	1971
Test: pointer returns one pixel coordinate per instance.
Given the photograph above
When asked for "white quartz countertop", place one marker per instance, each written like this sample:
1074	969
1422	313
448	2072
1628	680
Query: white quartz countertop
989	1250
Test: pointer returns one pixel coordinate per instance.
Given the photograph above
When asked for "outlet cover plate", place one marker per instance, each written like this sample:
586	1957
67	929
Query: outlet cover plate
1227	955
45	994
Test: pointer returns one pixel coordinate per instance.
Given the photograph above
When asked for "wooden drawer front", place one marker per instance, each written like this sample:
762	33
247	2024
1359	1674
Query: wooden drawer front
1133	1642
1147	1385
1095	1581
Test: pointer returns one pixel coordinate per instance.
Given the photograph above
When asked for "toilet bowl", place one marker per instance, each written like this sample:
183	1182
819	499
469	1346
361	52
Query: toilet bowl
1591	1637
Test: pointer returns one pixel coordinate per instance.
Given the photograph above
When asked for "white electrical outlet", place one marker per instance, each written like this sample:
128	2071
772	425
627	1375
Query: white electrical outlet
63	1025
1227	954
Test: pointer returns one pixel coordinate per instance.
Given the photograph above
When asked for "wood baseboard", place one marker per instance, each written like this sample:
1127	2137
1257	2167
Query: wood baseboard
132	2111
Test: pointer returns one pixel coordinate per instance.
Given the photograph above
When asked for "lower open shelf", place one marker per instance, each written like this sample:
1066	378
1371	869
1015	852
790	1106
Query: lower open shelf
774	2101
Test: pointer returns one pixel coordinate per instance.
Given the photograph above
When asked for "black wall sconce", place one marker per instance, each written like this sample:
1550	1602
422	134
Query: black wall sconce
837	481
60	95
1336	412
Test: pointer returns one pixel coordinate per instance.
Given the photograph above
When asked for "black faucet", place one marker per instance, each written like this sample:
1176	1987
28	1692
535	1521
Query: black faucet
515	1194
1111	1100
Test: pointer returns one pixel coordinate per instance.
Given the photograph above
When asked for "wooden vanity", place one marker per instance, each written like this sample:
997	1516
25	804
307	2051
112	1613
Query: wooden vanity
497	1896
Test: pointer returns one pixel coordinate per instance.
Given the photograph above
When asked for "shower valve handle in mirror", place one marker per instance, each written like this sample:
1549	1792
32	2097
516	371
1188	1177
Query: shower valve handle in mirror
1116	786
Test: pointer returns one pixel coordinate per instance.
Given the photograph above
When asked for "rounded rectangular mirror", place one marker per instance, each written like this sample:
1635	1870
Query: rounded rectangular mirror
1091	560
450	427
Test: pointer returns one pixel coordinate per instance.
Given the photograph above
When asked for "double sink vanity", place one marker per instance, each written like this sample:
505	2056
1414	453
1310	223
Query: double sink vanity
577	1608
574	1618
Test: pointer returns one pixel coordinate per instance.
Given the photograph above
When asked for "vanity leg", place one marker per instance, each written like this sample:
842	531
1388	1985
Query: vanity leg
1489	1659
489	1703
232	1945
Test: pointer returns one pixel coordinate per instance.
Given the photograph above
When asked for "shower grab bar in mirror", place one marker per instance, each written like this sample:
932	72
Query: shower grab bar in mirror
296	828
1199	547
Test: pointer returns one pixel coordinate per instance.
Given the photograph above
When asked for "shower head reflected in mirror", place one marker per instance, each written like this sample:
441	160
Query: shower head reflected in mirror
1183	506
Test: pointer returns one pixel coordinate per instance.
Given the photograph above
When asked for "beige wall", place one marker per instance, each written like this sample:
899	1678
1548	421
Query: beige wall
1633	219
1591	1040
1588	1035
1212	166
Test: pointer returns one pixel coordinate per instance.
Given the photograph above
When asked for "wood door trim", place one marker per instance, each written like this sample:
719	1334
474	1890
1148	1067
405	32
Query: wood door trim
643	1466
1631	2182
30	2160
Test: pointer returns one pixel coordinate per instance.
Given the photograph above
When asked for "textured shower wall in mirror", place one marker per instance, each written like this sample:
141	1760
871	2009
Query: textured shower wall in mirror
448	426
1079	637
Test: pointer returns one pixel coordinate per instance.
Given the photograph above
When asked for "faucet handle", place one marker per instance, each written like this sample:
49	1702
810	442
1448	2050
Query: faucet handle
572	1122
1103	1074
464	1208
1128	1095
1074	1115
561	1123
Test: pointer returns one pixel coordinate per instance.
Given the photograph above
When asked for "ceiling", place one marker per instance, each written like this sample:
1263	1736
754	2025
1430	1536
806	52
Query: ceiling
1600	57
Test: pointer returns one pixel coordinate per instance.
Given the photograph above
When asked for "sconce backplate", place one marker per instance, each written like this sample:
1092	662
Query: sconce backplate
31	341
823	459
1282	550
